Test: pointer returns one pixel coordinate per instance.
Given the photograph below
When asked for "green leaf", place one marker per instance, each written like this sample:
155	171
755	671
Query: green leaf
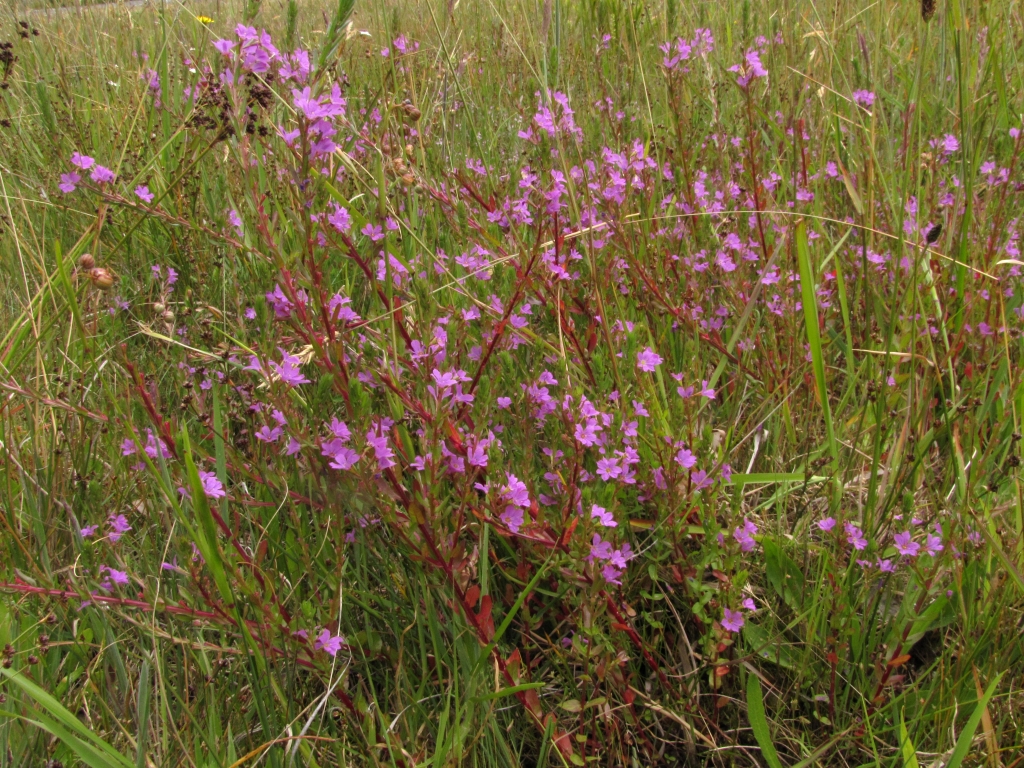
759	722
907	746
60	722
810	302
779	653
784	574
510	691
963	744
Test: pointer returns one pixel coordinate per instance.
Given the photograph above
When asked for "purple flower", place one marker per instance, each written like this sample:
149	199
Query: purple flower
212	486
648	360
88	531
340	219
749	604
603	516
732	621
113	577
293	447
599	549
373	231
102	175
685	458
827	524
143	193
69	182
378	440
288	370
745	536
864	98
325	641
933	545
224	46
268	435
608	469
905	545
118	527
512	517
855	536
950	144
82	161
342	457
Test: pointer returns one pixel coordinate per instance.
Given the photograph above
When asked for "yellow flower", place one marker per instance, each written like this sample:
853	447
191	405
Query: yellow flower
204	19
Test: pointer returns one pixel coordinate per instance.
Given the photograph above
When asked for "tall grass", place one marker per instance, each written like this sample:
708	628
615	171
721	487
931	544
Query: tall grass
553	383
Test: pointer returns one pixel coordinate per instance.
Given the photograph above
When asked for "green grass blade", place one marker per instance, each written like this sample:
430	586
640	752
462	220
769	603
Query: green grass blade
759	722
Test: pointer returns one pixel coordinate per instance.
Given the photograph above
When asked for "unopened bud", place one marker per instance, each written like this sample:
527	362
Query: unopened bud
159	307
102	278
86	262
168	316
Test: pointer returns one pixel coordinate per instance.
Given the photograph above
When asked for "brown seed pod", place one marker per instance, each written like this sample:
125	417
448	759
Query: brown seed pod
86	262
102	278
927	9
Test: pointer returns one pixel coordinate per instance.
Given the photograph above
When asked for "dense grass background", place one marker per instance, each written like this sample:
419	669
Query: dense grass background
865	363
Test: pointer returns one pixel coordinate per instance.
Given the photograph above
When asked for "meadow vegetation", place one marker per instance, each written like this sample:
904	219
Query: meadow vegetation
511	383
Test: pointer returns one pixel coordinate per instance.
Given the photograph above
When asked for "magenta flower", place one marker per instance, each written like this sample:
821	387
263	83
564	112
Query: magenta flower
950	144
118	527
745	536
827	524
749	604
143	193
82	161
88	531
905	544
648	360
599	549
102	175
340	219
864	98
224	46
69	182
288	369
114	576
732	621
373	231
377	439
685	458
855	536
212	486
603	516
325	641
512	517
268	435
933	545
342	457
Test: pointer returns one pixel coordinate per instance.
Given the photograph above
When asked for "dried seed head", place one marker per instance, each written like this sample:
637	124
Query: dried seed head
86	262
102	278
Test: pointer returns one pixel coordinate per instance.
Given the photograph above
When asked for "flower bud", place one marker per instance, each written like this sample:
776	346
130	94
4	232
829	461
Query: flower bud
86	262
101	278
168	316
159	307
